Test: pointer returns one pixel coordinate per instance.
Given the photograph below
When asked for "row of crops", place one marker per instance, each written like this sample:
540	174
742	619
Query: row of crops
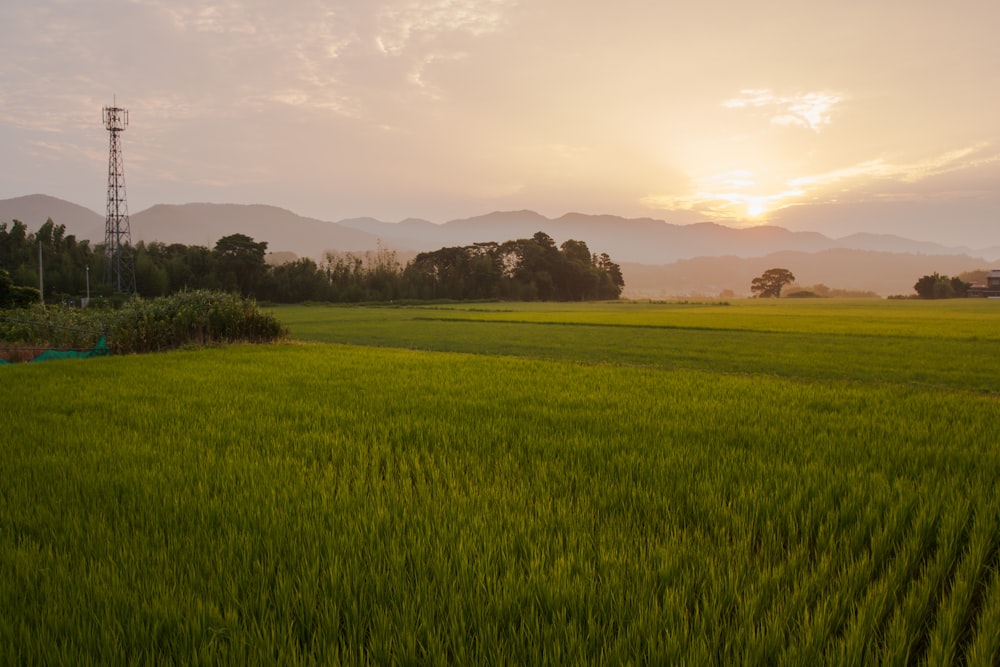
198	317
318	503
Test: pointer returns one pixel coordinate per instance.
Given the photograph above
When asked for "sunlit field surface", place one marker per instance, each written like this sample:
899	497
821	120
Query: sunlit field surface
957	318
788	483
942	344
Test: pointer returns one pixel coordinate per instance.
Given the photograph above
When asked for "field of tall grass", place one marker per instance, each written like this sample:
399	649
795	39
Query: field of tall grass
493	484
942	344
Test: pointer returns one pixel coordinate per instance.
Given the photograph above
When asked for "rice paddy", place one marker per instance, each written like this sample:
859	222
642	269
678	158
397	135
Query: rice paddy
811	483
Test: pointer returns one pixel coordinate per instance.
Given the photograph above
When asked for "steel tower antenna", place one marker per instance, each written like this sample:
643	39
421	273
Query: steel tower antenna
119	262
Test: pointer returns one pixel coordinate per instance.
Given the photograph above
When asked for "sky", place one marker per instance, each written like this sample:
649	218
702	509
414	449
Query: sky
877	116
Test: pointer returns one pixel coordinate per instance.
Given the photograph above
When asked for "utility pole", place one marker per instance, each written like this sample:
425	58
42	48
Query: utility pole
41	284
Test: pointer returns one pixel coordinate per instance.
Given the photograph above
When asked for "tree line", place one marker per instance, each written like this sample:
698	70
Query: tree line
521	269
936	286
66	261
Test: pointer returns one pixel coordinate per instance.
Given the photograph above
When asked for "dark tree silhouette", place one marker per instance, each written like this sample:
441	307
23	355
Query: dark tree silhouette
241	262
526	269
936	286
15	296
770	283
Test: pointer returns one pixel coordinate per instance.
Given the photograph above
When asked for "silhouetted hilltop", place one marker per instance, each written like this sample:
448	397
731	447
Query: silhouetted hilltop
34	210
204	224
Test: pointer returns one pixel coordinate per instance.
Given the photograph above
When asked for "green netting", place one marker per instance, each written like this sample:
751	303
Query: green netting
99	350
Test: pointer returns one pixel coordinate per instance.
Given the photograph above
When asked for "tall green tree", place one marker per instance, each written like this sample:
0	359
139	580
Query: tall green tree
16	253
612	280
240	263
151	277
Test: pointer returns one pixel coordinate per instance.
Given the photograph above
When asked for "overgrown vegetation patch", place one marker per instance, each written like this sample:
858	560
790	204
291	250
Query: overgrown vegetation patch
200	317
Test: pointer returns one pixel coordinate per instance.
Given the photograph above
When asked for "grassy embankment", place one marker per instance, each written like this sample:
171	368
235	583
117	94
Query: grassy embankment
809	482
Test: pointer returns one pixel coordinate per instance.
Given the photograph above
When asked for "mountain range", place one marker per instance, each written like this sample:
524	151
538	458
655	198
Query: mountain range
659	259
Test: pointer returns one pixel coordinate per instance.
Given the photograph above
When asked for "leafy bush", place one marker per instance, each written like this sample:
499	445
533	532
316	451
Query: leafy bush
54	326
200	317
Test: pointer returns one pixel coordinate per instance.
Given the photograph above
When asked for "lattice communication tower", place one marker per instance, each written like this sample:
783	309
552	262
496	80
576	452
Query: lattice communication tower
119	261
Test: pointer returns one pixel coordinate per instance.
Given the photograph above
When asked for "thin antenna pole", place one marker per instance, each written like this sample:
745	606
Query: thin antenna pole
41	284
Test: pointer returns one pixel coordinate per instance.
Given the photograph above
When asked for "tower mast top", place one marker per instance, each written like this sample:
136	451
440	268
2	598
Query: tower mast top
115	118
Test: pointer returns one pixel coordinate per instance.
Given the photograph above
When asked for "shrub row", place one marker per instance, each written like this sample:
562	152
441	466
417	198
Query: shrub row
198	317
189	318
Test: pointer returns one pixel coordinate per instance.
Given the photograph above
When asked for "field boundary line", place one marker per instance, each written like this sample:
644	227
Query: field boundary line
678	327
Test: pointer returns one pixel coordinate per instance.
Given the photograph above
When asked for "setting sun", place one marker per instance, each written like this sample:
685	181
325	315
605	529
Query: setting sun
756	207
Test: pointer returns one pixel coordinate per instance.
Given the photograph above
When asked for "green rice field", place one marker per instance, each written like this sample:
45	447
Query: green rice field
759	482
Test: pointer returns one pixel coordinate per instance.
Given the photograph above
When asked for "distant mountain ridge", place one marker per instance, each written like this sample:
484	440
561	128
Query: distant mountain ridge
633	241
204	224
643	240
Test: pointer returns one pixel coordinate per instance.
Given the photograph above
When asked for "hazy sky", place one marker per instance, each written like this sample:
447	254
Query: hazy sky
877	115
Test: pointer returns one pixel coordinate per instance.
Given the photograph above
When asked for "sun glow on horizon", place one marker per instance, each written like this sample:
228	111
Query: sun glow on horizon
756	208
766	163
729	207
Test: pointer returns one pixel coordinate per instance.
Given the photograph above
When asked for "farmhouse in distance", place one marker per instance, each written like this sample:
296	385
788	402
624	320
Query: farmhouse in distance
992	287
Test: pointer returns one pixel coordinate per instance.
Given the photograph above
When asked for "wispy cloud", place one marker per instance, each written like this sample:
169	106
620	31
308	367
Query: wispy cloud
342	59
399	26
397	107
213	17
421	33
812	111
905	172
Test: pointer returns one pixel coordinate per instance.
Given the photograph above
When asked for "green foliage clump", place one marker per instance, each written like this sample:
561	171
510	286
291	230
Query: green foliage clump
936	286
200	317
65	259
15	296
34	328
347	277
532	269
